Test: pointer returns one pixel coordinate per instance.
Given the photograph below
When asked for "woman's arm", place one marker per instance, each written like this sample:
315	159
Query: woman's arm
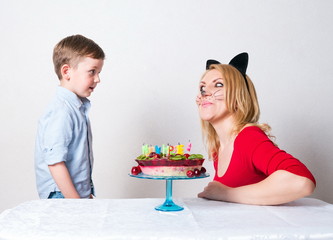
63	180
280	187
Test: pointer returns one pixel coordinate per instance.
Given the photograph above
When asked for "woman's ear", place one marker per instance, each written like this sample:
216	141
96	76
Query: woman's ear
65	72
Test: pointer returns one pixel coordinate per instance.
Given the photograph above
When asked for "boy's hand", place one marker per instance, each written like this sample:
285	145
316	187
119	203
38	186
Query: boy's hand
63	180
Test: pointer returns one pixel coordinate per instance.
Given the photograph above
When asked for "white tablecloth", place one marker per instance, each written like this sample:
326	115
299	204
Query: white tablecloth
137	219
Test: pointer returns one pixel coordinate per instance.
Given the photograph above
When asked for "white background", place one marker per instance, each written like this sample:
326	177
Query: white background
156	53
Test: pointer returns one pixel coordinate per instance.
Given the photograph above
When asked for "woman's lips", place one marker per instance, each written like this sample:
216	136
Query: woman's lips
206	104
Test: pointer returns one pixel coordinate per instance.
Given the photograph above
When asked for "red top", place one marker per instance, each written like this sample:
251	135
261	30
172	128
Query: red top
254	158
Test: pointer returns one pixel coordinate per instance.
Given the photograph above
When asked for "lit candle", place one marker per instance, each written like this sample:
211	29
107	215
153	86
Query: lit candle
166	150
171	148
189	146
145	149
157	149
180	149
163	149
151	149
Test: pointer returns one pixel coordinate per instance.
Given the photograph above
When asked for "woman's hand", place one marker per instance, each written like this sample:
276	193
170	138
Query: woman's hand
215	191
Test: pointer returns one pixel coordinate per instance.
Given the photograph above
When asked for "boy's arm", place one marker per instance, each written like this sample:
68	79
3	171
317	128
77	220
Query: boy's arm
63	180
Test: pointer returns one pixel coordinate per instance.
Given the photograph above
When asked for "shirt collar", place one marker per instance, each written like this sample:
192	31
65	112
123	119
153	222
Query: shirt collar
73	98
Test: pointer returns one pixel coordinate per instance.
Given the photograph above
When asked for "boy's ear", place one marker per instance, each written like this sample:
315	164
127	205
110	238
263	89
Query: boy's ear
65	72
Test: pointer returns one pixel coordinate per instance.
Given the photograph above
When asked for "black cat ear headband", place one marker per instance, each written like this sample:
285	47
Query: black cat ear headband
239	62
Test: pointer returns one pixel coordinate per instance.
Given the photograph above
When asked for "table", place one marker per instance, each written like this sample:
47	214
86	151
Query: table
305	218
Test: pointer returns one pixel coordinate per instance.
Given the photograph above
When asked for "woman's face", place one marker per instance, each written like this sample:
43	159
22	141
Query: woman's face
211	97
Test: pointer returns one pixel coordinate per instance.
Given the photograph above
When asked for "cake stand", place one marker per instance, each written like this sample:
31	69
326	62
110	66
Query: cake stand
168	204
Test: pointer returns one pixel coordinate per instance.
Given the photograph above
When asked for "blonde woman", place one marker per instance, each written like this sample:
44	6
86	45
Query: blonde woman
249	167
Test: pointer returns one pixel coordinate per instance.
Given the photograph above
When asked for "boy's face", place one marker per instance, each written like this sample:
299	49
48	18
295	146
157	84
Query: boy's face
83	78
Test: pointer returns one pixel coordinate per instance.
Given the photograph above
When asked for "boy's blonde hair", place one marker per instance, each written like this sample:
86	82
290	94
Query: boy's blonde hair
241	101
71	49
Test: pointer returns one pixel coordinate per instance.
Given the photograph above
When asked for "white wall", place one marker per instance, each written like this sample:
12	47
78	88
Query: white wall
156	53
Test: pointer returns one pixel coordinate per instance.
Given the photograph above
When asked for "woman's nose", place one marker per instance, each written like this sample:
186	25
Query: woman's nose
205	93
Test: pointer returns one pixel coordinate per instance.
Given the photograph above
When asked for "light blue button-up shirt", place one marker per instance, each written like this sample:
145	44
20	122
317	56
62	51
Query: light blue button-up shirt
64	135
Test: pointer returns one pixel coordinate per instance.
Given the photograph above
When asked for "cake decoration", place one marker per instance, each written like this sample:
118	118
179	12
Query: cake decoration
168	160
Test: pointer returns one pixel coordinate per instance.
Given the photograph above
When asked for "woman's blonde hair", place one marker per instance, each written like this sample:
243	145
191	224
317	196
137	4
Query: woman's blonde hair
241	101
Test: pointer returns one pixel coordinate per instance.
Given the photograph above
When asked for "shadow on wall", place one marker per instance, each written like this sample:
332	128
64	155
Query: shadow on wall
306	143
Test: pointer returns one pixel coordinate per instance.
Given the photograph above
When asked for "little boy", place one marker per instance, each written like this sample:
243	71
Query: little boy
63	154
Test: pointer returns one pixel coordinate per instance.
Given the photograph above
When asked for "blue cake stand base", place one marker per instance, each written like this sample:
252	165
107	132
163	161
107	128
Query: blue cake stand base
168	205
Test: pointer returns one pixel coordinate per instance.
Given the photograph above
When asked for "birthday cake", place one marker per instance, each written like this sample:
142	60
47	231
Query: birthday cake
168	161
